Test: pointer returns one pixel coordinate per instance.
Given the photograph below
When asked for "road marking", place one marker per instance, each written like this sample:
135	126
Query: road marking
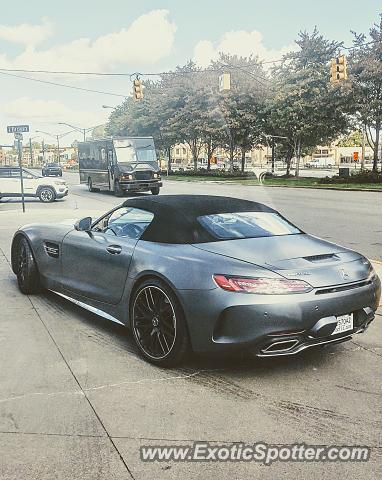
376	261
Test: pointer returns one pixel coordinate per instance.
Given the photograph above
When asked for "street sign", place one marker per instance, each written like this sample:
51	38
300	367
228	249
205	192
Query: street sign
17	128
355	156
18	136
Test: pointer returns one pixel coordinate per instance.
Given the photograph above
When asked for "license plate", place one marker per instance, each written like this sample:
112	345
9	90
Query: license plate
344	323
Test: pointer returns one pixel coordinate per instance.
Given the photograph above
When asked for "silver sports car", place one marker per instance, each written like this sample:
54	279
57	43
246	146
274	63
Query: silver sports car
202	273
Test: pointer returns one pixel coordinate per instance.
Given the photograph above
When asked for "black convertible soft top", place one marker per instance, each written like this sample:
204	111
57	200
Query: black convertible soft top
175	216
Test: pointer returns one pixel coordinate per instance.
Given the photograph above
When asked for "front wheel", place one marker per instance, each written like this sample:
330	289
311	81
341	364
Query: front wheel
118	191
47	195
155	190
158	324
28	277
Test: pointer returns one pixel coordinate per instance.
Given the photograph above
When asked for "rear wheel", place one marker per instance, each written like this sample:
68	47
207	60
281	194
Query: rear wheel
47	195
158	324
90	186
28	277
118	191
155	190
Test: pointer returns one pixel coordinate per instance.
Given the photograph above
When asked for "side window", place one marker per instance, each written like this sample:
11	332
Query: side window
27	175
125	222
4	173
15	173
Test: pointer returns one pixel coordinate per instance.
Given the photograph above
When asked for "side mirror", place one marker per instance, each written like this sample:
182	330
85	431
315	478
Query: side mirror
84	225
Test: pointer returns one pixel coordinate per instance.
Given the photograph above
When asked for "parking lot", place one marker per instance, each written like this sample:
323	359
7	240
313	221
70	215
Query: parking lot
76	400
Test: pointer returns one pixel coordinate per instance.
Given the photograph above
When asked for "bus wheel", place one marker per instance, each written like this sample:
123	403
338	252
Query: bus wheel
118	191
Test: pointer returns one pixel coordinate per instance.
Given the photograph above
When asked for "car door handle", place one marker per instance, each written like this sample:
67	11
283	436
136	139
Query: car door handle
114	249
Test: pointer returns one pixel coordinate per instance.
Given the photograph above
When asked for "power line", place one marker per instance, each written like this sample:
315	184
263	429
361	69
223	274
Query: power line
126	74
61	84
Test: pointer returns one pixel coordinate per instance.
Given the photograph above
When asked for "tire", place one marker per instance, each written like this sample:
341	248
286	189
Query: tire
90	185
28	277
158	325
43	174
47	195
155	190
118	191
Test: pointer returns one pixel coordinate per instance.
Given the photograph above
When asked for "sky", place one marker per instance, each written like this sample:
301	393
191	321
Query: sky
145	36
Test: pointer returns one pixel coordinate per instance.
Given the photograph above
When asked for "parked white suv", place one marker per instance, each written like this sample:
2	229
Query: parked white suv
46	189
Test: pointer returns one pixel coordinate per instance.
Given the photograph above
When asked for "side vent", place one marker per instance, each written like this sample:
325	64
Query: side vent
52	249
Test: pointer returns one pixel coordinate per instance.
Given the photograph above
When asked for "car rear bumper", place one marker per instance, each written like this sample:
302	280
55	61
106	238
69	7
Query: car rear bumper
221	321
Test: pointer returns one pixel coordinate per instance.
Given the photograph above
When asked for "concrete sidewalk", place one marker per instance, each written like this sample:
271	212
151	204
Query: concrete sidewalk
76	402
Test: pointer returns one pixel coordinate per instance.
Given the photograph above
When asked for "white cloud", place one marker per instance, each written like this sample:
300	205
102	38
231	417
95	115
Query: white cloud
26	34
241	43
147	40
37	111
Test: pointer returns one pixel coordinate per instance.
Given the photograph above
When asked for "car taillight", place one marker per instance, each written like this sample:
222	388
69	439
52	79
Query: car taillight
261	286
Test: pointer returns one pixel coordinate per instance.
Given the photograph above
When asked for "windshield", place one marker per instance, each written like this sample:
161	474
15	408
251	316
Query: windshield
226	226
127	152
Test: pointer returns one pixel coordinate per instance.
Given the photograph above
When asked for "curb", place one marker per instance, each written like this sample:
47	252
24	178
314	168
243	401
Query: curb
230	182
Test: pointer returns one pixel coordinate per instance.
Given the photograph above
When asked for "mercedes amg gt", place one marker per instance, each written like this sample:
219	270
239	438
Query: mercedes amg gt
202	273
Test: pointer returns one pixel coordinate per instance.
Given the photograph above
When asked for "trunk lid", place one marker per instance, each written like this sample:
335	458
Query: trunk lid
302	257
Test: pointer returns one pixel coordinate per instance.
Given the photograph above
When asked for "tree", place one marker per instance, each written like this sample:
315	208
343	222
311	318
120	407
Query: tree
365	64
242	108
304	107
353	139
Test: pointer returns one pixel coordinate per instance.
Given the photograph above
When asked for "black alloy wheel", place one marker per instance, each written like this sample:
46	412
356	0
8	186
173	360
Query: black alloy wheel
158	324
28	277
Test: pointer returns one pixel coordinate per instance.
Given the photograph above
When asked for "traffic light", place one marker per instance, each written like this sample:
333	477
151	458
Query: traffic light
338	71
224	82
138	89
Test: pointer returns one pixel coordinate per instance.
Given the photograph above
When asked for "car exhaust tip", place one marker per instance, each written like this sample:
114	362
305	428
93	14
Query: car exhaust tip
280	346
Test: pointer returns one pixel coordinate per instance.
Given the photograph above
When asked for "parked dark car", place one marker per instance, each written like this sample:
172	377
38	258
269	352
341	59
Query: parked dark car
202	273
51	170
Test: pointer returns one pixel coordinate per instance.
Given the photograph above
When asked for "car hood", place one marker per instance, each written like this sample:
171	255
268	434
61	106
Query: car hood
302	256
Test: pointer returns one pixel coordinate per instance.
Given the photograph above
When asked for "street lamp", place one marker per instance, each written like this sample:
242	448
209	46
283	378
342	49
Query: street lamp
57	137
80	129
31	148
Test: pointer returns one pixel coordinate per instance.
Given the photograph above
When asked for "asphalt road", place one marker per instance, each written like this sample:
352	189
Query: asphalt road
77	402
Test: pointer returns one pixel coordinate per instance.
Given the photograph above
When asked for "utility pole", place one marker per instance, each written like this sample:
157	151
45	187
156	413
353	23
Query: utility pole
19	148
43	151
363	148
58	149
273	154
31	151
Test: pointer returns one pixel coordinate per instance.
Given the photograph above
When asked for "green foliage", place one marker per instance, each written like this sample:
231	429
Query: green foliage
353	139
305	108
366	76
213	173
363	176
